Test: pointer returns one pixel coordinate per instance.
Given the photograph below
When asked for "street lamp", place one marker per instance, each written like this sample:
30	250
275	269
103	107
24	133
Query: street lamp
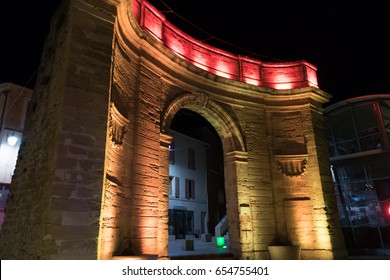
12	139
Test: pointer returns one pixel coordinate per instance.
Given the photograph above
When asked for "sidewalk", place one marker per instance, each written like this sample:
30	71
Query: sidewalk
368	257
200	248
211	249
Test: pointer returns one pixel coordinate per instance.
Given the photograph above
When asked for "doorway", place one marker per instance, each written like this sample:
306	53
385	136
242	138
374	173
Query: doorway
191	214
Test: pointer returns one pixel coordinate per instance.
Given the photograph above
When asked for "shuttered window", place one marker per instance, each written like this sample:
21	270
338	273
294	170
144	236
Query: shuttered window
172	153
191	158
177	187
190	189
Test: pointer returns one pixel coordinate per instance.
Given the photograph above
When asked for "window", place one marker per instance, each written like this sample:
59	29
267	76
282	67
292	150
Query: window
355	130
367	125
191	158
170	185
190	189
385	109
190	222
172	153
177	187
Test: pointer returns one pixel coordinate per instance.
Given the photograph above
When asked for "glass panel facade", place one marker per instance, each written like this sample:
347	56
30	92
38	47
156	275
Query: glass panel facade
385	110
366	120
356	130
343	127
358	134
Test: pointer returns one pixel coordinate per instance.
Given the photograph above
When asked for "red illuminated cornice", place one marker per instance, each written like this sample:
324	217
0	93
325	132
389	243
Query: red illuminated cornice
276	75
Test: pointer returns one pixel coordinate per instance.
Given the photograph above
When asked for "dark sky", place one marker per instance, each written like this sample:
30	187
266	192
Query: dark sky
347	40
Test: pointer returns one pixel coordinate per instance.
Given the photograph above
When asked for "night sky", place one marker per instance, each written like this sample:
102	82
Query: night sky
346	41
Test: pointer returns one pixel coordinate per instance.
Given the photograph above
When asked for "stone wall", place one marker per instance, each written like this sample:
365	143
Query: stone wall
28	212
54	205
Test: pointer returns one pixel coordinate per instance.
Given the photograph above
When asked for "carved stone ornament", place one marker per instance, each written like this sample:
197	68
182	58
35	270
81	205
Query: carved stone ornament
202	99
117	125
292	165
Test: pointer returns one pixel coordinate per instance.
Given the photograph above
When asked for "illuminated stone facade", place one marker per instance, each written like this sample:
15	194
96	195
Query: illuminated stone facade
93	181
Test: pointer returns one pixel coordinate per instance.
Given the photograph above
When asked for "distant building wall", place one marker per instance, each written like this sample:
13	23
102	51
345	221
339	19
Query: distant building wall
14	101
188	184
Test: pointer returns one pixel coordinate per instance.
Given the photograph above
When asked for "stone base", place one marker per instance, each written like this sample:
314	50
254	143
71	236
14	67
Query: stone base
284	252
205	237
142	257
187	245
171	237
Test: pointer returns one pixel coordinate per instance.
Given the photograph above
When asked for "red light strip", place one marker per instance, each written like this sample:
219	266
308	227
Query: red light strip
277	75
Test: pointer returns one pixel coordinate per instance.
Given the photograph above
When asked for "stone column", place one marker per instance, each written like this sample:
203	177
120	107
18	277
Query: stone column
238	204
163	199
57	194
302	182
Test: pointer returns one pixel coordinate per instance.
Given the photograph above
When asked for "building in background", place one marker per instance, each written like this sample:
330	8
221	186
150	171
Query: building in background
188	211
358	133
14	101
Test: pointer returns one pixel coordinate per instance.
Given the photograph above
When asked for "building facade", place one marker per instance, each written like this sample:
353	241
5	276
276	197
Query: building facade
358	133
93	179
188	205
14	102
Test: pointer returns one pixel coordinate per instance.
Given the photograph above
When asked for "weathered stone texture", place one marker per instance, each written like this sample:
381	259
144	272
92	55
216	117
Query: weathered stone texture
26	231
64	143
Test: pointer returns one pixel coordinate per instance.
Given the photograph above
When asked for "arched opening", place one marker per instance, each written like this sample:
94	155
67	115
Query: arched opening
197	204
234	165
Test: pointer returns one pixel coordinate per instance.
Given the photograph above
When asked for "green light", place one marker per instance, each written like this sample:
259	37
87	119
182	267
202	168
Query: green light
220	241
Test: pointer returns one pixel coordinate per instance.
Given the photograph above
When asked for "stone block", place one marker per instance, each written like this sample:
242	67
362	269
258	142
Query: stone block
206	237
187	244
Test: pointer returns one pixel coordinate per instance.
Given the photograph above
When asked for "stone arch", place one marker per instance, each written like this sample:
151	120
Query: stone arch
71	188
235	164
226	127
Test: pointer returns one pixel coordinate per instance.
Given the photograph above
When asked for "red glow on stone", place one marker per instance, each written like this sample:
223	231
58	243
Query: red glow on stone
223	69
286	75
283	86
153	20
251	82
201	66
222	74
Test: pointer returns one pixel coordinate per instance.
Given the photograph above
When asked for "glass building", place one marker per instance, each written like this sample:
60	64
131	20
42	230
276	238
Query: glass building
358	134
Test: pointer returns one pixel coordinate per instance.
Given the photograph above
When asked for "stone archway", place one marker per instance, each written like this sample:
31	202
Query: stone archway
234	164
98	166
226	127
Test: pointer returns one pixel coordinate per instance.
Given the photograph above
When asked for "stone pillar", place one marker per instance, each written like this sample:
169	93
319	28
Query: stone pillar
113	236
324	200
301	182
55	203
238	204
163	201
146	188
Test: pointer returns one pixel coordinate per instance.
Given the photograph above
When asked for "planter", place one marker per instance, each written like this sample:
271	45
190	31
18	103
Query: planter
284	252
